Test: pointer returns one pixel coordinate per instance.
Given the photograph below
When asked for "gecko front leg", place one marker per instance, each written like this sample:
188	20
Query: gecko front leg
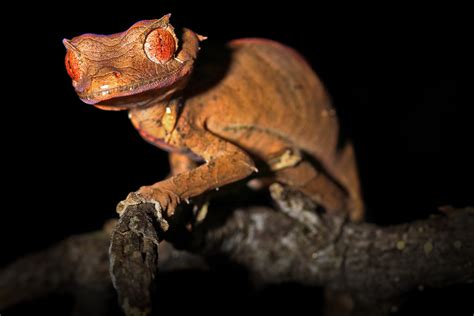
225	163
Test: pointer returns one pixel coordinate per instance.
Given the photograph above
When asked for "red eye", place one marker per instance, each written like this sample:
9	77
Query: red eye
72	65
160	45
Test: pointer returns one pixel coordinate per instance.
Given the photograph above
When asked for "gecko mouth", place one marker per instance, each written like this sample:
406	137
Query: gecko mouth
143	88
136	100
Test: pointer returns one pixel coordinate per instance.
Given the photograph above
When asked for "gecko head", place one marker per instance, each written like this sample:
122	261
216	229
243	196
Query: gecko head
144	64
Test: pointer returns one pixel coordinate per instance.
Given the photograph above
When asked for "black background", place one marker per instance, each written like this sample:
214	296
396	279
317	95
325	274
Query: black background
396	74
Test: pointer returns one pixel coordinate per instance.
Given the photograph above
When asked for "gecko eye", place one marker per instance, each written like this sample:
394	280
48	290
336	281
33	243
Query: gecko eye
160	46
72	65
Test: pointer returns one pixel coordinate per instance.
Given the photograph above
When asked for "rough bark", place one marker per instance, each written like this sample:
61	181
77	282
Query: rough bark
78	265
376	265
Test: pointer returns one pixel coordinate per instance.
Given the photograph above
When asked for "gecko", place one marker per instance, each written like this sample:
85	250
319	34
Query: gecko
248	109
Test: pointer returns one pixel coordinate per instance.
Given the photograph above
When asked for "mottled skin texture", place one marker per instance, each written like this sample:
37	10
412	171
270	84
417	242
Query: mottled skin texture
252	102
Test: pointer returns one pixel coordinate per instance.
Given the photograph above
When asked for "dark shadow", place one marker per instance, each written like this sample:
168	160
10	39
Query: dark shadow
211	66
226	289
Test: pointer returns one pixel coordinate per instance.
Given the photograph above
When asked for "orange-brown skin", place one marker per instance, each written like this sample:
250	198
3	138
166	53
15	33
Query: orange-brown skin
252	102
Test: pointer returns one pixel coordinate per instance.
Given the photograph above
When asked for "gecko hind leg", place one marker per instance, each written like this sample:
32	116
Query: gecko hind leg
315	184
287	158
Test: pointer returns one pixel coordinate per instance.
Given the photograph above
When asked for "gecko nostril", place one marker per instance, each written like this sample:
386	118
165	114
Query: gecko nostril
117	74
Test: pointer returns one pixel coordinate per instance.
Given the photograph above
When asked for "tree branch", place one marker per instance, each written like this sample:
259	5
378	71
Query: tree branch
374	264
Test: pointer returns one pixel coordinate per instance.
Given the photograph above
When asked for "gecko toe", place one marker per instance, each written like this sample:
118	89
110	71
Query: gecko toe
159	215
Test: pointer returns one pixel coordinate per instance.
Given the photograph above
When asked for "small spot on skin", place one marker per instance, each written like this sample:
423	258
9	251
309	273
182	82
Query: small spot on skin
314	255
428	247
105	86
394	309
217	189
168	110
421	287
328	113
420	230
457	244
400	245
396	279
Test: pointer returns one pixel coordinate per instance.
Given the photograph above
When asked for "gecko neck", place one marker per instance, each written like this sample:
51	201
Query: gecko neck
157	122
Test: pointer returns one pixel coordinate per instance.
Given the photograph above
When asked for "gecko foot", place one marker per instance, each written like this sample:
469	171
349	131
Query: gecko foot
296	206
135	198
